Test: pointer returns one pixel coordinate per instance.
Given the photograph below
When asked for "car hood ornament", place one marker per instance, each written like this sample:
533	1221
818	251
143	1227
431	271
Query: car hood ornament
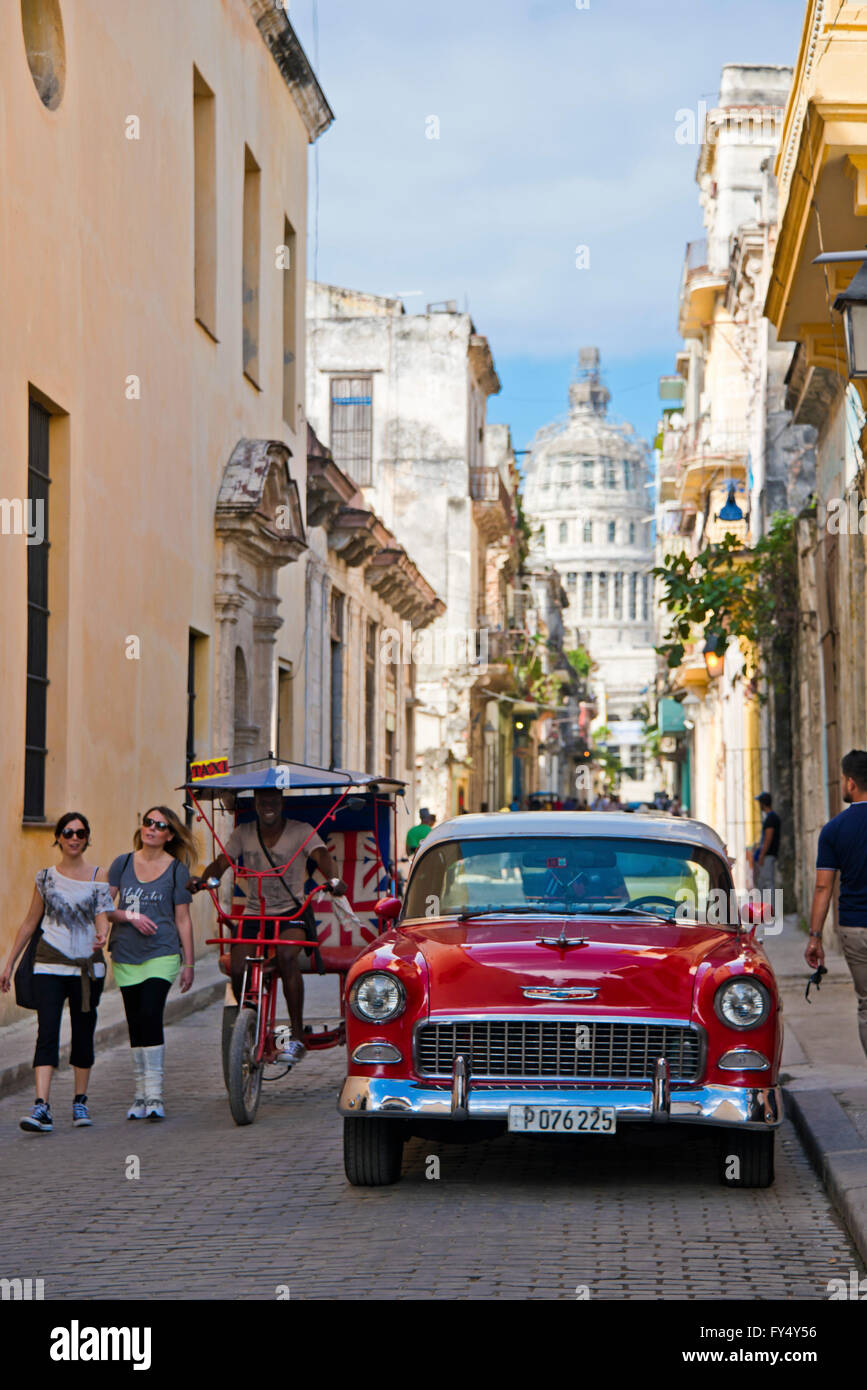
560	991
562	942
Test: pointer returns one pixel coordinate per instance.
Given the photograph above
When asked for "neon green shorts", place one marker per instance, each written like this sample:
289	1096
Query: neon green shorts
160	968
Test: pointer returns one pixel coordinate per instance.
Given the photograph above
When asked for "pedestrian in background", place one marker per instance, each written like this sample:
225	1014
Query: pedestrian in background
72	904
842	849
152	929
765	856
419	832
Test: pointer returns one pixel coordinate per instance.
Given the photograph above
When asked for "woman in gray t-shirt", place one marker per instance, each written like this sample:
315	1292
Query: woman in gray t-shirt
152	931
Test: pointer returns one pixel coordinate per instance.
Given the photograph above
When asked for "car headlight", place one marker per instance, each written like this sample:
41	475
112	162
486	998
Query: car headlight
377	997
742	1003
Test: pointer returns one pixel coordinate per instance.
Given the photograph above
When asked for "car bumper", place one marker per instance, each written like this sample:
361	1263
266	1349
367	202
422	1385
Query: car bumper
744	1107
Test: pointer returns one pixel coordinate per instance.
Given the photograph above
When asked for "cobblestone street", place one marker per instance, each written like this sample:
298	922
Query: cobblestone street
223	1212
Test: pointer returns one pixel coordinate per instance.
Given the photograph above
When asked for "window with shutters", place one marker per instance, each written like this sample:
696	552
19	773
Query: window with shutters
38	481
337	634
370	699
352	426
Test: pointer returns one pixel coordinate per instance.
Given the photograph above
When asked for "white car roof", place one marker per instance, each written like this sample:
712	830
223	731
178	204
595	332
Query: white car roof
626	824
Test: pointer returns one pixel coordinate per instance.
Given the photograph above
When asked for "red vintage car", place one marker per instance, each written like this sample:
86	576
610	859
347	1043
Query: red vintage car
563	973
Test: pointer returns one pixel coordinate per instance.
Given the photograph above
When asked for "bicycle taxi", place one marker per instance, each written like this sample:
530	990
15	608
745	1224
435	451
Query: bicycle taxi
355	814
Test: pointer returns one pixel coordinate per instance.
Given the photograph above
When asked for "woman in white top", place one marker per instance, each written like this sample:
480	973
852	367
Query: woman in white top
68	964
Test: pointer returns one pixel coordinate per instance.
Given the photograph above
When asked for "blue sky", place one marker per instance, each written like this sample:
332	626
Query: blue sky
556	131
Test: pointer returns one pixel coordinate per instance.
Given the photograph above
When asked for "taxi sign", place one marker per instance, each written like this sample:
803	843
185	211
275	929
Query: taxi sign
208	767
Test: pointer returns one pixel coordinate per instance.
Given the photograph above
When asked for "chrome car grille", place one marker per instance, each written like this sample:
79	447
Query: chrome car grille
608	1050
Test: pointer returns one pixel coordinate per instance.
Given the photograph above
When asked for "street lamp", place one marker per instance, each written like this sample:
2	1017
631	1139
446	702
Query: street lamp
730	511
714	654
852	304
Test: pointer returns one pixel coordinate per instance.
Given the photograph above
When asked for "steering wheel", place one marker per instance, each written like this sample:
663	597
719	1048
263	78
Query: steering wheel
653	898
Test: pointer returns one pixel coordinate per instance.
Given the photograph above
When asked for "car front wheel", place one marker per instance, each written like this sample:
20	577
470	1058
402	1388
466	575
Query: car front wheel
372	1151
747	1158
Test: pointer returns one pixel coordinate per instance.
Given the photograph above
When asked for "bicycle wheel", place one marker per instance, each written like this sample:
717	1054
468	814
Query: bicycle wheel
230	1013
245	1073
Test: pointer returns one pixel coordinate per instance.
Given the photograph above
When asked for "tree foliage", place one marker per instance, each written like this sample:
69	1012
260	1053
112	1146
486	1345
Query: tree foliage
733	592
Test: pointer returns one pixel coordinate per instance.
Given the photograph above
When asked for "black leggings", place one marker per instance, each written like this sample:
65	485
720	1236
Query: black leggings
52	991
144	1006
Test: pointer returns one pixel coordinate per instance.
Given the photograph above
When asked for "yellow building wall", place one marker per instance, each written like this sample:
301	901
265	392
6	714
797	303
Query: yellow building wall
97	286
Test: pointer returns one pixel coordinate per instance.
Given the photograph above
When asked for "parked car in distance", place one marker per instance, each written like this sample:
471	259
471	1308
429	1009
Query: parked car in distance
559	973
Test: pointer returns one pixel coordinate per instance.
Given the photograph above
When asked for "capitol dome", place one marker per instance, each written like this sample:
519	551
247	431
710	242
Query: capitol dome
587	490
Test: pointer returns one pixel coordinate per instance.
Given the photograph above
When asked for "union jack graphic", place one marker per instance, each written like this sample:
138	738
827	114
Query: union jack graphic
358	864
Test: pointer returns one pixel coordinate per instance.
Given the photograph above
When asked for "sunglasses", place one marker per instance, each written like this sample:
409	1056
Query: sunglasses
74	834
155	824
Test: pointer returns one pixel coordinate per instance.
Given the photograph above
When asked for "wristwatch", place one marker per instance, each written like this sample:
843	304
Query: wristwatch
816	934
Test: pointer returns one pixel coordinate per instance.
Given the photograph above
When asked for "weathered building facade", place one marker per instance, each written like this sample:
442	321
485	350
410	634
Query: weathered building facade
400	401
364	594
821	171
728	449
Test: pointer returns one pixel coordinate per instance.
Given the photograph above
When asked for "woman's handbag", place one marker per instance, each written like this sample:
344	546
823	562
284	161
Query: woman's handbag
25	994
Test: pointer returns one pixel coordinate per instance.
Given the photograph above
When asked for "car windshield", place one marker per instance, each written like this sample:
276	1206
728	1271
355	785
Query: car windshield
564	875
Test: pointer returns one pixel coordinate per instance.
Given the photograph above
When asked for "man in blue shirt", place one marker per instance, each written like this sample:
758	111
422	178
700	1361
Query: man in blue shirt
843	848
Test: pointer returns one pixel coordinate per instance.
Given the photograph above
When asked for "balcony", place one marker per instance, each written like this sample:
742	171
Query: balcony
699	288
492	505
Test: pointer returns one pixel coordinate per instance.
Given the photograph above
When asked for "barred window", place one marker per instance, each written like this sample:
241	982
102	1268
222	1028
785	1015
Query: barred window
603	595
352	426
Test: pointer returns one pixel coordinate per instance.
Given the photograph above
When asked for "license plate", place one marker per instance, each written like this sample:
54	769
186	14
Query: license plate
562	1119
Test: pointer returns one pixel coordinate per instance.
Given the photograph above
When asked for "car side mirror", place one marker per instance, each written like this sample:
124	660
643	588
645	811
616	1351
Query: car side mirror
387	909
752	913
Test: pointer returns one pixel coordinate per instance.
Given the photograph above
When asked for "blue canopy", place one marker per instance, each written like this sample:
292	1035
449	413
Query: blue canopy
291	777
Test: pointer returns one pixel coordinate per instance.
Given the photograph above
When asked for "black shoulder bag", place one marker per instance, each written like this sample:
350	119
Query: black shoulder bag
307	918
25	994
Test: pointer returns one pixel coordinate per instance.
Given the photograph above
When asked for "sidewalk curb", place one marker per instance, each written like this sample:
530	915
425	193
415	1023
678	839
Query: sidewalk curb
837	1152
18	1074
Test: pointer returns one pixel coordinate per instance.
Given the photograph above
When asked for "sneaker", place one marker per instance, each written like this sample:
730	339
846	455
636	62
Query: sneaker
294	1051
138	1110
80	1114
154	1110
39	1118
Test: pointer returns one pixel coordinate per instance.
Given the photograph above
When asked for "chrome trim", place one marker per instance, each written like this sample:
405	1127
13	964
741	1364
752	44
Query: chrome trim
725	1064
559	992
661	1090
460	1089
397	1055
533	1016
743	1107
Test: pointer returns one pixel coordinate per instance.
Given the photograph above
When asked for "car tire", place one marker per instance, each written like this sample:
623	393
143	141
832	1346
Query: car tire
372	1151
747	1158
